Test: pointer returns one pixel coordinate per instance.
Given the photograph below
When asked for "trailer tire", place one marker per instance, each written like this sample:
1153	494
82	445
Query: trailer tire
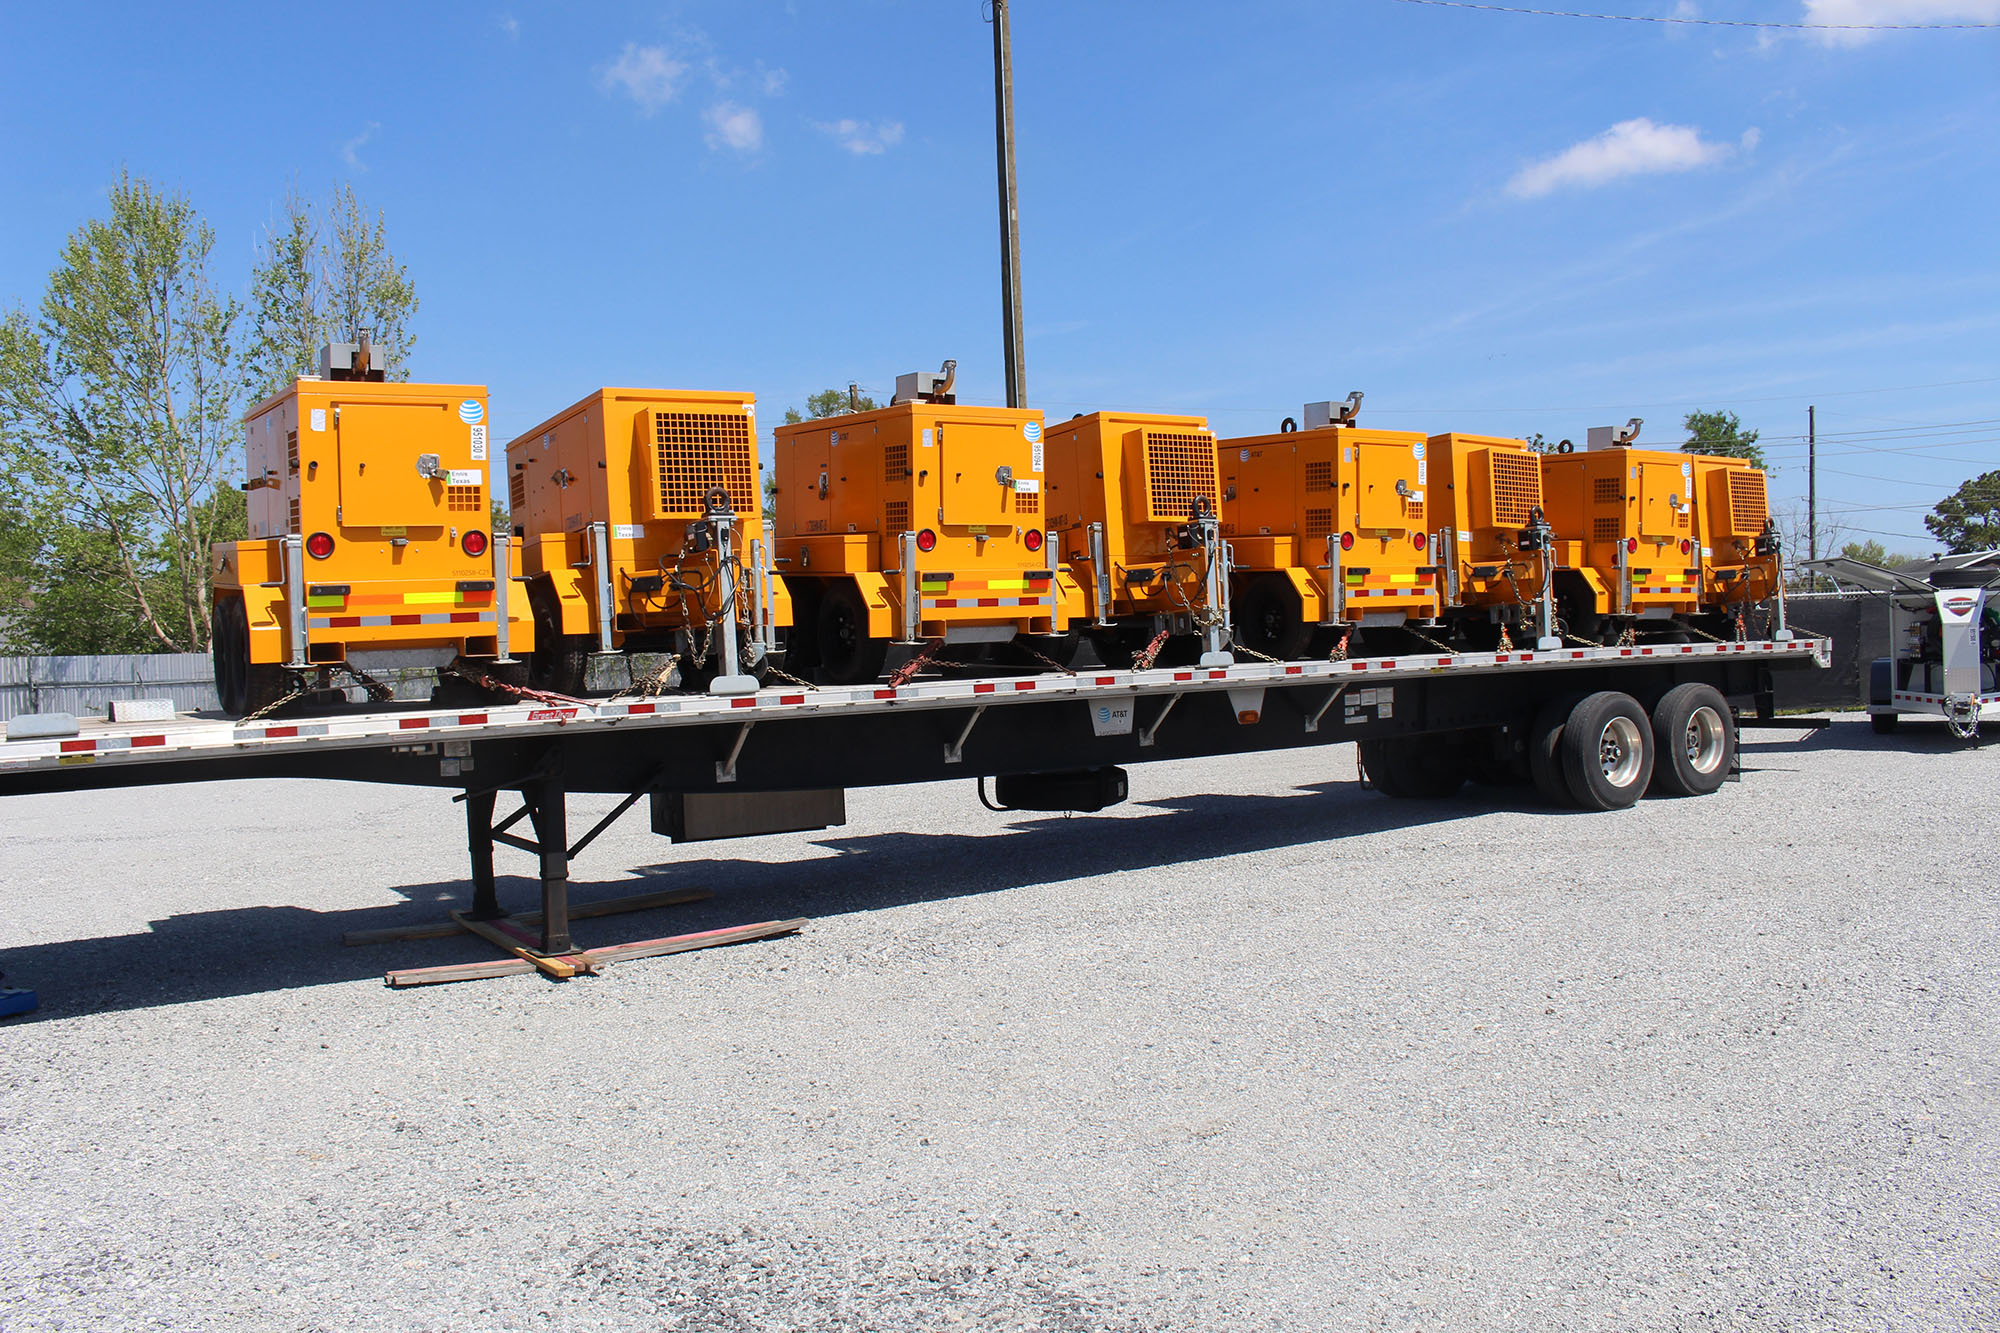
556	665
847	655
1414	767
1545	735
1884	723
1694	739
1375	764
227	654
1269	619
1607	751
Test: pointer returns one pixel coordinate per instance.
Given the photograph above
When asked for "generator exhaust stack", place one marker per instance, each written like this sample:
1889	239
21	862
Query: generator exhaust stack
1321	415
926	386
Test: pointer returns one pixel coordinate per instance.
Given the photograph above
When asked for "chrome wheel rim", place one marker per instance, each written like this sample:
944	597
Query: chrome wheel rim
1619	747
1704	740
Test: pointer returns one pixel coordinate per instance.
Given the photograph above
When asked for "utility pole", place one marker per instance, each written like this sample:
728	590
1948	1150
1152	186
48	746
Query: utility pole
1812	485
1010	220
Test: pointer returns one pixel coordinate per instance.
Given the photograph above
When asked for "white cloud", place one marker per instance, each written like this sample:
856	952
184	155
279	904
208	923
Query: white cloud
1629	148
510	25
350	152
774	80
646	74
1894	11
733	126
862	137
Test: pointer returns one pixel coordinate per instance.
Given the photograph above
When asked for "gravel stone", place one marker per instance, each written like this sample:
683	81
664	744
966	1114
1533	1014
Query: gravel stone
1258	1050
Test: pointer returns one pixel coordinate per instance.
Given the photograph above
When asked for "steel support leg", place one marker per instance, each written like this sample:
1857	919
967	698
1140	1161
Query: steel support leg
546	807
479	841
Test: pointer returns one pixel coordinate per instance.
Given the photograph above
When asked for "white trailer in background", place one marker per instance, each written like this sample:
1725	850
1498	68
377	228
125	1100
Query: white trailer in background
1944	638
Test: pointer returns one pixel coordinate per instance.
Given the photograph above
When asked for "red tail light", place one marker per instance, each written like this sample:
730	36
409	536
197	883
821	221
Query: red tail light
1033	539
1686	546
320	545
1631	546
474	543
1417	540
927	540
1346	541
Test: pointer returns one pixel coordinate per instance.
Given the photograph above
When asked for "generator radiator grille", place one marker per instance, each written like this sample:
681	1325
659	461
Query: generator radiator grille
1180	469
1749	507
1606	530
694	451
1607	490
464	499
1319	475
517	492
1517	487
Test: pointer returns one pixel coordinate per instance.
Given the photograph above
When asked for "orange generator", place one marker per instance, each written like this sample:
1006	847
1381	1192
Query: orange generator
642	526
370	540
1625	525
1133	508
1492	539
1741	561
1328	527
918	524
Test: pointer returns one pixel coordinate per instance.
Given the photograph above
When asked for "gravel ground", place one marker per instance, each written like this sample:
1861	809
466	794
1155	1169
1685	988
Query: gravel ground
1285	1056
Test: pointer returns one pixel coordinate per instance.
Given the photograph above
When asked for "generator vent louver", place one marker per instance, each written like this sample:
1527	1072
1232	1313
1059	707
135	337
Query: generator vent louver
1319	475
1319	522
1180	469
896	461
1607	490
517	495
1516	487
696	451
1606	530
463	499
1749	506
896	517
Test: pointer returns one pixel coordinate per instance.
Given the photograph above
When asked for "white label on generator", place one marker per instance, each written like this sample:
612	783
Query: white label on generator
1347	455
1027	486
465	476
1707	553
929	440
1036	456
319	418
1423	468
479	443
1464	536
1112	719
628	532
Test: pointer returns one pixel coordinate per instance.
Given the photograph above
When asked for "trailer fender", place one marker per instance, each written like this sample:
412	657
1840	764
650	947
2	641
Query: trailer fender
1586	588
1072	600
572	597
782	614
1312	602
881	604
265	609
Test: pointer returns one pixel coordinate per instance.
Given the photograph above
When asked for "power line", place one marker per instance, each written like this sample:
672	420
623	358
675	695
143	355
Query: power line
1701	22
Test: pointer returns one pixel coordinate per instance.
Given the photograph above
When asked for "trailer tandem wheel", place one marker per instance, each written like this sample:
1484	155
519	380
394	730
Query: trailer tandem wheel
1607	751
1695	738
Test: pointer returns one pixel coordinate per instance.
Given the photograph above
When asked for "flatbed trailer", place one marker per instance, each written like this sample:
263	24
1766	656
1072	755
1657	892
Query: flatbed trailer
794	747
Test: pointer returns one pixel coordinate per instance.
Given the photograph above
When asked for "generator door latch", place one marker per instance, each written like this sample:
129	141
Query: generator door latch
427	466
1005	476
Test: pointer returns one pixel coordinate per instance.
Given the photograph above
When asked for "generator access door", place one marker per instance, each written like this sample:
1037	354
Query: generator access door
1380	507
989	472
1666	500
385	451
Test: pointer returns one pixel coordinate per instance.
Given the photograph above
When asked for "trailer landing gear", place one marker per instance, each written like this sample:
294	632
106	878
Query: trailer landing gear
540	941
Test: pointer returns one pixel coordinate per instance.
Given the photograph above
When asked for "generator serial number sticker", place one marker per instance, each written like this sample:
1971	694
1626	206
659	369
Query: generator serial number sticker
319	418
479	443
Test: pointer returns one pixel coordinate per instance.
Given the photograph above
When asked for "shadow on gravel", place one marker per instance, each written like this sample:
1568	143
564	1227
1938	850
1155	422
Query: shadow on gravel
1914	736
207	955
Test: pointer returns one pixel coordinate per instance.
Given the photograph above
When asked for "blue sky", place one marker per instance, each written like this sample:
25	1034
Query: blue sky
1487	222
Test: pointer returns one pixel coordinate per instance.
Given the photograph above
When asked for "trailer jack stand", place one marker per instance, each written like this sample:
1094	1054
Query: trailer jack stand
540	941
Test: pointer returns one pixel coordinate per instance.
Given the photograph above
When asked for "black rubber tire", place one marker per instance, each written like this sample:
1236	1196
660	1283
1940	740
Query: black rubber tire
1884	723
1607	718
1268	618
557	663
1375	763
847	656
802	639
1545	735
1692	715
226	652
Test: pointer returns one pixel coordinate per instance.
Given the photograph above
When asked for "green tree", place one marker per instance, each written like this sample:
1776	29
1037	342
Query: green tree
1969	518
1543	446
321	276
118	425
1721	435
1875	554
